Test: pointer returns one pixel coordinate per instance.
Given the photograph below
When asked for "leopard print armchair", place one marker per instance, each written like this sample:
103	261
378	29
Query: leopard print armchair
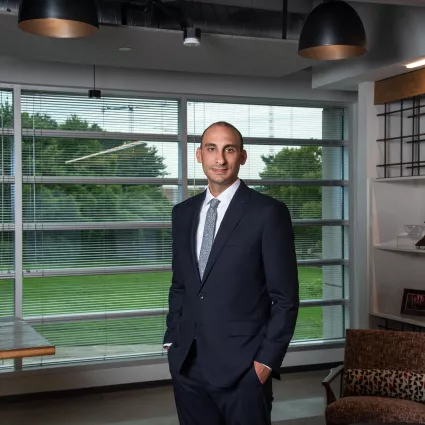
382	380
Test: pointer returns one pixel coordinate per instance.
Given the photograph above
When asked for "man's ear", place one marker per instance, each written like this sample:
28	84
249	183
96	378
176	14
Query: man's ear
199	155
244	157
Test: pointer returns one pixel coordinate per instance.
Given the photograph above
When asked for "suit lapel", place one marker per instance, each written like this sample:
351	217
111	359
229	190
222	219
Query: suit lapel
234	213
194	229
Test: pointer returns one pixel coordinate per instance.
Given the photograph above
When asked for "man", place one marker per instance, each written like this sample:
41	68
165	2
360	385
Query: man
233	300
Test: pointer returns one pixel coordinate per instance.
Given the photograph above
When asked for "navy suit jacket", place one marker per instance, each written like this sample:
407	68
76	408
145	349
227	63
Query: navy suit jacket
246	306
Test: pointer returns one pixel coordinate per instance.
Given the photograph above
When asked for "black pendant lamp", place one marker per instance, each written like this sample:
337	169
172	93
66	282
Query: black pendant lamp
58	18
94	93
332	31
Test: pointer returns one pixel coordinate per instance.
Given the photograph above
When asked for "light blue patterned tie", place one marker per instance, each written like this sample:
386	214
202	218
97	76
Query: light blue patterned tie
208	237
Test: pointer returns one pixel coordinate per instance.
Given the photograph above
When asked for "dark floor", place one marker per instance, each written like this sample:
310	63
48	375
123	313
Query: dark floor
297	396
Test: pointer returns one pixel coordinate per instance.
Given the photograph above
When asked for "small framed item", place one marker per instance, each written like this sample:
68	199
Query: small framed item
413	302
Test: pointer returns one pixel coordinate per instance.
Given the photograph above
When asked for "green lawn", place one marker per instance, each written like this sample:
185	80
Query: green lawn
85	294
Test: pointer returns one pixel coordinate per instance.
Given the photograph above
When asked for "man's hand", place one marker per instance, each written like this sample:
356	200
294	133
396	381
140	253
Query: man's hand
262	371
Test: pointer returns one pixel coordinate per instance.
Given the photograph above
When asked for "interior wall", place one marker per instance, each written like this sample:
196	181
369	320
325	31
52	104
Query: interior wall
295	87
88	376
396	204
389	206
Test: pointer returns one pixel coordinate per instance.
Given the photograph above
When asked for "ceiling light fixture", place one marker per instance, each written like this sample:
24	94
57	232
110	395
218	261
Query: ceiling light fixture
125	49
58	18
94	93
332	31
191	37
416	64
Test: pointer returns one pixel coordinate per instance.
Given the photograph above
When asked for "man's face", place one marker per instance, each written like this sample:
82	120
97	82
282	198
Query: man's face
221	155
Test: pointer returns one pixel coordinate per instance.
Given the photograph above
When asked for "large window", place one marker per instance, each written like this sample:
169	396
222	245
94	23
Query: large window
299	156
100	178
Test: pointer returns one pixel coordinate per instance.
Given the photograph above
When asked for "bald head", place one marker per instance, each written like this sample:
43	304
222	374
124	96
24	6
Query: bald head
227	125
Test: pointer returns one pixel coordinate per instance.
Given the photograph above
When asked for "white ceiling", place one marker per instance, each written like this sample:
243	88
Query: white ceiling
157	49
163	50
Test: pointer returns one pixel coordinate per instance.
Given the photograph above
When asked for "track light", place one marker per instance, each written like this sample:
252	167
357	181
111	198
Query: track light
416	64
332	31
191	37
58	18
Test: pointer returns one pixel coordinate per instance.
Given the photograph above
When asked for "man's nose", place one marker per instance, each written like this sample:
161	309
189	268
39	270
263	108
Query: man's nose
220	159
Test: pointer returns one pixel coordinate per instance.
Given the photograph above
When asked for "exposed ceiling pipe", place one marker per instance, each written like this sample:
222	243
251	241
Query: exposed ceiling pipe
209	17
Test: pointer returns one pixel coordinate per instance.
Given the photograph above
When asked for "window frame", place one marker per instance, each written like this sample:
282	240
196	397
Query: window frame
183	183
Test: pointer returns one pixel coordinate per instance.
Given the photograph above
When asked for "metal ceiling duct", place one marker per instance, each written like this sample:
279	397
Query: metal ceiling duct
209	17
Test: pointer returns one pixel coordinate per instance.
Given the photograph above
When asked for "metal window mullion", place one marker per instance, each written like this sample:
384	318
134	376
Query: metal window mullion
319	222
113	225
320	262
17	171
183	146
82	317
98	135
8	131
195	138
7	227
284	182
17	204
118	225
7	179
99	180
95	271
353	157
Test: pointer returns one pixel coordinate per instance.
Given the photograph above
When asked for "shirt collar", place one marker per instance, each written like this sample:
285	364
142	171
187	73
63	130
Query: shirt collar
224	197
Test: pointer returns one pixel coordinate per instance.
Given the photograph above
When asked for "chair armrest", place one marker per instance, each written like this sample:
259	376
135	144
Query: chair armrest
327	383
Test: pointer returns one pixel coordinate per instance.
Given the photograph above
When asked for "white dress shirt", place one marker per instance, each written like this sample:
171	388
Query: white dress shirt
224	198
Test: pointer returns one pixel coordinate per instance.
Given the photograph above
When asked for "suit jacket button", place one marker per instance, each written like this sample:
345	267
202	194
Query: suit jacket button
201	296
194	325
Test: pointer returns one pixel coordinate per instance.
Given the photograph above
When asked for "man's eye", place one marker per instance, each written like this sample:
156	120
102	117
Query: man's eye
230	149
210	149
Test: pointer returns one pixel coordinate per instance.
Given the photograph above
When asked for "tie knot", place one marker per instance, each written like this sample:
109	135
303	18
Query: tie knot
214	203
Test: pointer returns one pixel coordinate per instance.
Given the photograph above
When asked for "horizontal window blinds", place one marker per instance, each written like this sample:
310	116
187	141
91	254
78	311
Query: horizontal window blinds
100	180
7	236
298	155
91	204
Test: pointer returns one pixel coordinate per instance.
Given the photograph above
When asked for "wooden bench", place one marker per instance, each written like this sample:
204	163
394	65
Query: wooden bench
18	340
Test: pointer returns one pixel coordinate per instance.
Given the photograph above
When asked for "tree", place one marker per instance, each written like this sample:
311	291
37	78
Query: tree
53	156
303	202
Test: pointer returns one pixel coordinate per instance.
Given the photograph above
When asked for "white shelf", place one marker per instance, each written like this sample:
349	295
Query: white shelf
401	179
396	248
400	318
